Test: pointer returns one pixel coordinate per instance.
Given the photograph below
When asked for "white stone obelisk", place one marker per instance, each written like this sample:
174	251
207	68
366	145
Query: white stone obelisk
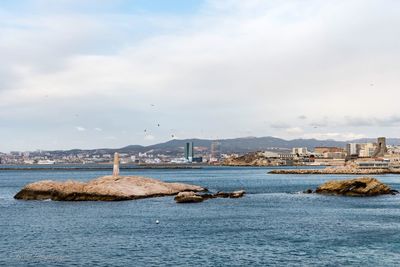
116	165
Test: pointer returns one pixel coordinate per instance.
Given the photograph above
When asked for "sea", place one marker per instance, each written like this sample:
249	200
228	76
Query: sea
274	224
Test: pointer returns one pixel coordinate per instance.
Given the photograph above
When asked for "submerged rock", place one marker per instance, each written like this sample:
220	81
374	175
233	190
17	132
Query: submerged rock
192	197
106	188
188	197
237	194
234	194
364	186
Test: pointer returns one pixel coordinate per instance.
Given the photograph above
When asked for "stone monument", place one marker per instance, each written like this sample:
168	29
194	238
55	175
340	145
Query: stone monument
116	164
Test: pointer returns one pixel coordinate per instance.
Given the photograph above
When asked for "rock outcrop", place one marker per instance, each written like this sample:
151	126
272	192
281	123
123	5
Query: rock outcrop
192	197
107	188
188	197
234	194
364	186
249	159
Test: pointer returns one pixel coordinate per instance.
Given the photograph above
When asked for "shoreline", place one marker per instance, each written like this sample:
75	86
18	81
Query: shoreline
346	171
90	168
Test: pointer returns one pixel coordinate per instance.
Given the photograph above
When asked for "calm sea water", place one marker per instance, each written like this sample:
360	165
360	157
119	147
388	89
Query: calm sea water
272	225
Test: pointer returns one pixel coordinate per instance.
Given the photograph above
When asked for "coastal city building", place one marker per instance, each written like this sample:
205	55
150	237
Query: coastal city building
183	154
215	153
326	149
366	150
189	151
301	151
352	150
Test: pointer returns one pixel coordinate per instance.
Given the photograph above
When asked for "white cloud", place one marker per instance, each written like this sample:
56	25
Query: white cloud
294	130
230	67
336	136
80	128
149	137
280	125
98	129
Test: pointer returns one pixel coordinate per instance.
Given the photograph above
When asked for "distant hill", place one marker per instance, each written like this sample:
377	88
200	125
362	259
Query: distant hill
235	145
247	144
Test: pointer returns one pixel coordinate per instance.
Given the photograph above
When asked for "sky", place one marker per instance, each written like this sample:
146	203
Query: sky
111	73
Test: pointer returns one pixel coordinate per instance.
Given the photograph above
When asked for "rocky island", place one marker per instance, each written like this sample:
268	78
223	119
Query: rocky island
117	188
361	187
106	188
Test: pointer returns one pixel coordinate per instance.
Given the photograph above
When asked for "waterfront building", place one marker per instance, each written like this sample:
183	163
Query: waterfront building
373	164
269	154
335	155
366	150
327	149
215	154
301	151
189	151
198	159
352	149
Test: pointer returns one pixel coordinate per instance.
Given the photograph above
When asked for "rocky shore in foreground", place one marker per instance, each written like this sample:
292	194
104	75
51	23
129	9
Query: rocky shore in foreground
106	188
337	170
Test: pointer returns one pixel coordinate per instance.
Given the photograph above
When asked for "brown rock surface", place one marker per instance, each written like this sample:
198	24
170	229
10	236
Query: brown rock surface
237	194
188	197
234	194
363	186
249	159
192	197
106	188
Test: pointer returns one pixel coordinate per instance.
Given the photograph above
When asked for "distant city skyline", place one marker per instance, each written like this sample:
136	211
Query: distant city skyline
93	74
255	143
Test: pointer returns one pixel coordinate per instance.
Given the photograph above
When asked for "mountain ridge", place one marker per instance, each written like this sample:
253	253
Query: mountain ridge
229	145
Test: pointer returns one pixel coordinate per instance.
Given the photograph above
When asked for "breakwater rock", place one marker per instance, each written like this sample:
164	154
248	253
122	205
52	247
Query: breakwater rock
338	170
106	188
192	197
363	186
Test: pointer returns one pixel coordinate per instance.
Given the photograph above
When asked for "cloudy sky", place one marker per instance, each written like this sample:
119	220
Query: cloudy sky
109	73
